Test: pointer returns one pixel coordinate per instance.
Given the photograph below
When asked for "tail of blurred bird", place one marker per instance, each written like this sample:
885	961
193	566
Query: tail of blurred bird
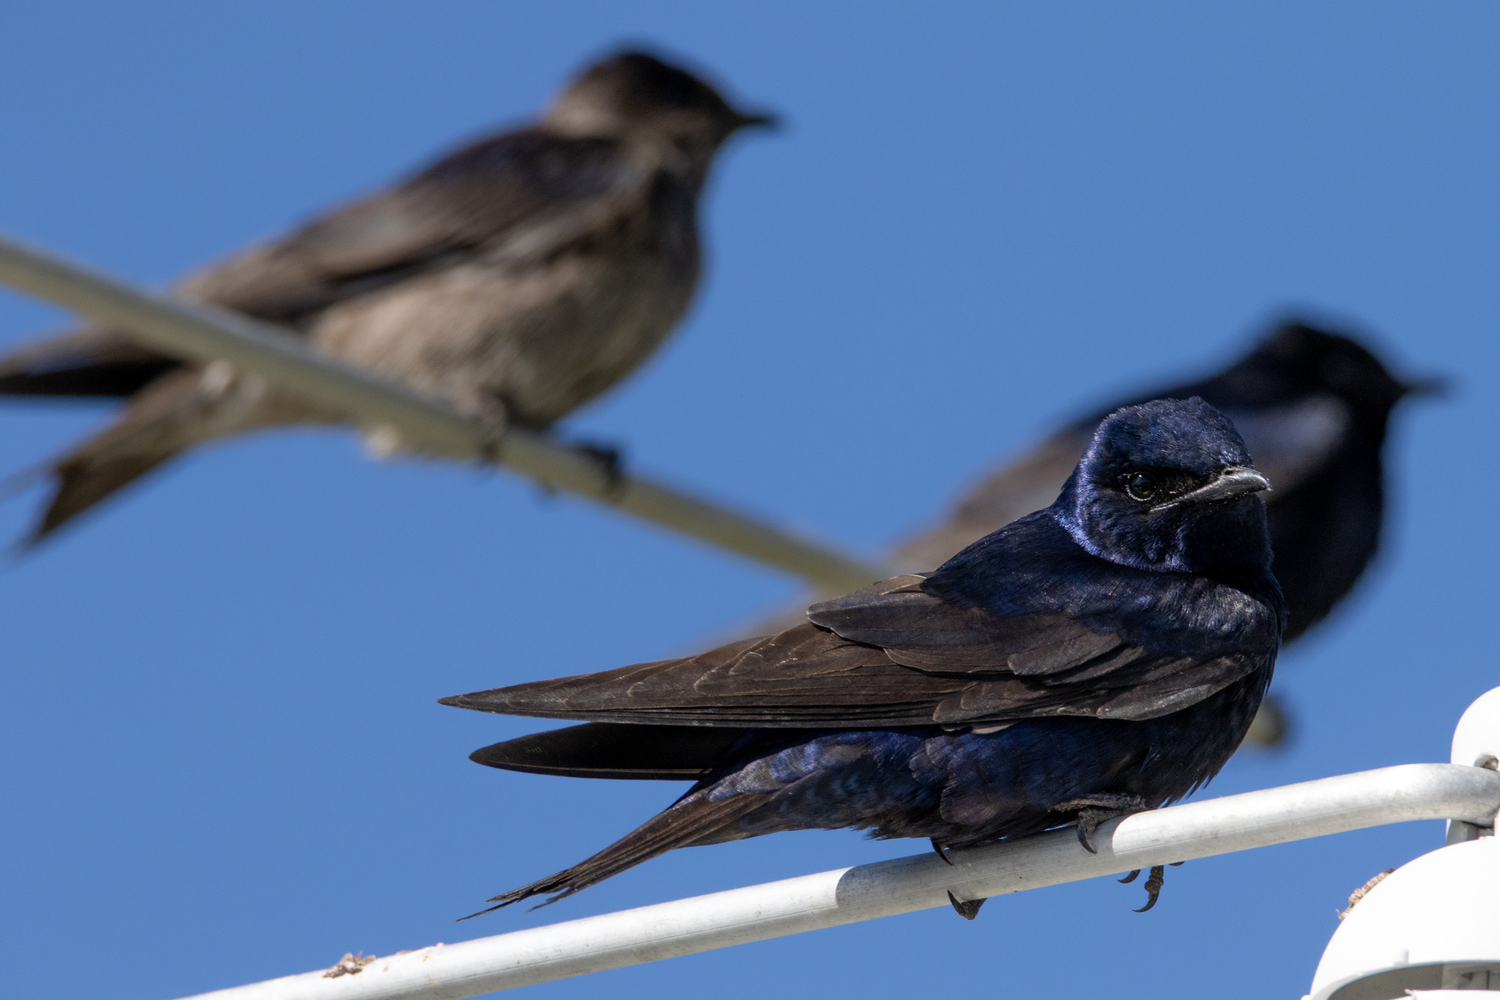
178	410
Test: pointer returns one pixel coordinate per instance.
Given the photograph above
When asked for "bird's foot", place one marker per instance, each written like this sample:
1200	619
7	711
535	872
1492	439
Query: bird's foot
1095	809
967	908
1154	882
611	459
942	852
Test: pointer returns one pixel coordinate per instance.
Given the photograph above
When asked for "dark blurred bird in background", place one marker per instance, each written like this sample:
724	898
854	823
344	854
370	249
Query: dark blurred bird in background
1101	656
1313	407
519	278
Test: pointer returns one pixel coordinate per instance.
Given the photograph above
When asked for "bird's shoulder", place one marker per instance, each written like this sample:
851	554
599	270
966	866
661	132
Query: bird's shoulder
1029	582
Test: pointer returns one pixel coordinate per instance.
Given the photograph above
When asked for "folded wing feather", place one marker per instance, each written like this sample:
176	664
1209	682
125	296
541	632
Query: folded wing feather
890	655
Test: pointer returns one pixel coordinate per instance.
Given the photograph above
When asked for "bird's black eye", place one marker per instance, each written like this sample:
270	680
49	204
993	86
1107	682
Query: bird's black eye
1139	486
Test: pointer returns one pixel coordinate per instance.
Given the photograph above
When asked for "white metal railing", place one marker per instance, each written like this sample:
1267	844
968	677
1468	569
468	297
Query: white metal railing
828	899
1466	795
289	362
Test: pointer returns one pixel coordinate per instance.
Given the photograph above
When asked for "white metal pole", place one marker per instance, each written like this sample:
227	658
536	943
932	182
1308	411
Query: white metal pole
738	916
287	361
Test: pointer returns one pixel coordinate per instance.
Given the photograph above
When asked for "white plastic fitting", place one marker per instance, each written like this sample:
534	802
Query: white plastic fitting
1432	927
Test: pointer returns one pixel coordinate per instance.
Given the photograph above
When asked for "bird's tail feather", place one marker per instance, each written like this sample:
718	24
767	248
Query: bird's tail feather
84	478
690	820
175	412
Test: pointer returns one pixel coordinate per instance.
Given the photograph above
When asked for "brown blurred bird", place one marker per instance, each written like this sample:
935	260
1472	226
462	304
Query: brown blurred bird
519	278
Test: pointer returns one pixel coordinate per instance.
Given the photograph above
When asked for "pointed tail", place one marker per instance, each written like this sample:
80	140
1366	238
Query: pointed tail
177	411
694	818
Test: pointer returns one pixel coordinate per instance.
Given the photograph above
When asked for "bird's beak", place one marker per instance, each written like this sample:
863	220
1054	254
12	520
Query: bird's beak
1434	385
762	120
1232	482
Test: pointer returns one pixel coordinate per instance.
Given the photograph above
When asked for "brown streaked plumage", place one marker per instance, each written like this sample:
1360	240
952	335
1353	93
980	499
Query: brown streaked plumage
519	278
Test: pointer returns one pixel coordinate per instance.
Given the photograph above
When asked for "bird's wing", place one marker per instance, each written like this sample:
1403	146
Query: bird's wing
1025	665
803	677
890	655
521	194
918	629
516	197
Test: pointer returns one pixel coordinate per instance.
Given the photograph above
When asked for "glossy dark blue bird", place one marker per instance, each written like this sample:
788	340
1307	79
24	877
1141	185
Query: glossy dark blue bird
1101	656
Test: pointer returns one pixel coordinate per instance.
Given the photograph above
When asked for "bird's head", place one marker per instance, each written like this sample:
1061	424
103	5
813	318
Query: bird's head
1168	485
637	96
1300	360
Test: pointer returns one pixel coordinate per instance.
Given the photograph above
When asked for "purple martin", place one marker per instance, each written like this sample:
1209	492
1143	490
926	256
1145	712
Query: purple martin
1313	407
518	278
1100	656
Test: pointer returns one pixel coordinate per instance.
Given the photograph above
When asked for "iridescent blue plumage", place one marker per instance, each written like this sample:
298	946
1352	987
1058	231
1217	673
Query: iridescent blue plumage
1106	653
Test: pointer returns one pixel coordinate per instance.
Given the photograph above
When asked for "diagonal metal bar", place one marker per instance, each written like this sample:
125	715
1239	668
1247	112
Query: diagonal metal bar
203	333
739	916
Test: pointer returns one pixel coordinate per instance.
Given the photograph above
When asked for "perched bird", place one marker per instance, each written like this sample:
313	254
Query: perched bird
1100	656
1313	407
519	277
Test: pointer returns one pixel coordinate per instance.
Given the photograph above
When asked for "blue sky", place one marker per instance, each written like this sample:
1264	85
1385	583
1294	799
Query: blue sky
220	756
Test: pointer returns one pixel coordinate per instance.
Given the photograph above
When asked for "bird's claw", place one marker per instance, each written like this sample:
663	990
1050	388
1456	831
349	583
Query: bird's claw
1096	809
967	908
1153	885
1088	822
611	459
1129	878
